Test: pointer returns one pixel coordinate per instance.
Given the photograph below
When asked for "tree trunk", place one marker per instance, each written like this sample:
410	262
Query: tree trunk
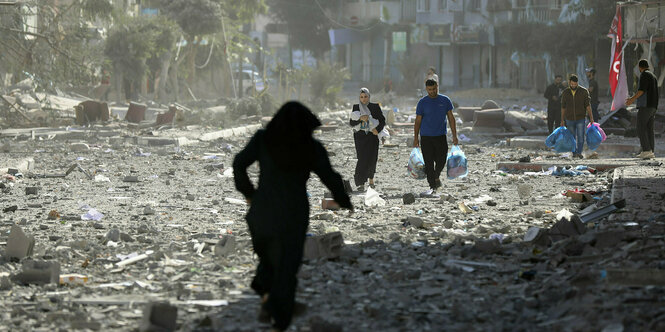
160	86
192	60
174	81
117	79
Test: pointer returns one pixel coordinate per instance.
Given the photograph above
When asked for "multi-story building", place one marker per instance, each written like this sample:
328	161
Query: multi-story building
644	25
373	37
460	38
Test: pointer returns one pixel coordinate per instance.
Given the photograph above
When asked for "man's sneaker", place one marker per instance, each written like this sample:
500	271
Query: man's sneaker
641	154
648	155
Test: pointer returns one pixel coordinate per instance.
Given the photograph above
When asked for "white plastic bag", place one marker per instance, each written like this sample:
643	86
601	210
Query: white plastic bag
372	198
416	164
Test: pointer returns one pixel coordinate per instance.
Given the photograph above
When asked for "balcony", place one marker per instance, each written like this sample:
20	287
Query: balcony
644	21
390	12
536	14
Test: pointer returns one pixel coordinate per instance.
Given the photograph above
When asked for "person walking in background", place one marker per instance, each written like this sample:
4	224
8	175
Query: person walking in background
278	216
367	121
575	106
593	91
647	105
432	112
431	75
553	96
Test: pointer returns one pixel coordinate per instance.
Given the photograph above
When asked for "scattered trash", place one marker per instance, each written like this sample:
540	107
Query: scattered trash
101	178
464	208
92	214
372	198
73	279
235	201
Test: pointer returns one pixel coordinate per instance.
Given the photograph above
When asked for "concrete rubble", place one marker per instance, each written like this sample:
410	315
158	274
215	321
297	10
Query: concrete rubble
123	225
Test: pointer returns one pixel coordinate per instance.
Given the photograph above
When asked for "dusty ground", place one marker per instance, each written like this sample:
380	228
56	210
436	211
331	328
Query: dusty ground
391	275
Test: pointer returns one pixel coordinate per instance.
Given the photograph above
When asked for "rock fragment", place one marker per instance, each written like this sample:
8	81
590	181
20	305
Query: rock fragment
19	245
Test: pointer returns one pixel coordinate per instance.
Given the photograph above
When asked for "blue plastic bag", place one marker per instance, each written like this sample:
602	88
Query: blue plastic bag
566	143
416	164
593	137
561	140
551	140
456	163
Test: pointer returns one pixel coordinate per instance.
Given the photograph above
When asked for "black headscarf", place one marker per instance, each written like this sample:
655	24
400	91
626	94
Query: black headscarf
289	139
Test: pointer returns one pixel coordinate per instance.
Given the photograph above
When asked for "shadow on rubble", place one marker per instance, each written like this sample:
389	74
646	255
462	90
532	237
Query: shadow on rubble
357	281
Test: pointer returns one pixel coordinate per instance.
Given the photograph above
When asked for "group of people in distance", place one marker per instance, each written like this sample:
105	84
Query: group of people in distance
572	106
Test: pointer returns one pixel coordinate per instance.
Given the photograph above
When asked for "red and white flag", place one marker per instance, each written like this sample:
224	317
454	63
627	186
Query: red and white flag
615	64
618	81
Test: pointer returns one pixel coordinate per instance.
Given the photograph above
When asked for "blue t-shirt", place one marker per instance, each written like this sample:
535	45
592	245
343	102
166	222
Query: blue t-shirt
434	112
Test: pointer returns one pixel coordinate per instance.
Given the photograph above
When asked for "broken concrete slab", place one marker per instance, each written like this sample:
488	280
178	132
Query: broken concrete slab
19	245
490	246
466	113
538	143
323	246
79	147
489	120
38	272
226	133
565	228
225	246
159	316
23	165
636	277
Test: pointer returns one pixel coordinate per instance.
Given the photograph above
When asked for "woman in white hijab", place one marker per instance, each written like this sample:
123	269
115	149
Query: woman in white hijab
367	121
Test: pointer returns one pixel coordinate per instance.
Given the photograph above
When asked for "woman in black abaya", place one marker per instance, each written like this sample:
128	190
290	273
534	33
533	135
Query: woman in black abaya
278	215
367	121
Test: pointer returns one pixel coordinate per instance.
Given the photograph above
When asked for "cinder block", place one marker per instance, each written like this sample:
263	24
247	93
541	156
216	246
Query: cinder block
323	246
490	246
38	272
19	245
159	316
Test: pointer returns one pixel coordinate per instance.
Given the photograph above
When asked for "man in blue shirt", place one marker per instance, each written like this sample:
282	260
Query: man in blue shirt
431	114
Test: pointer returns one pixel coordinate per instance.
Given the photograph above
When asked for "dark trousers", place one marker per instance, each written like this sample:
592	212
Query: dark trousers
553	118
279	261
367	152
594	112
435	151
645	119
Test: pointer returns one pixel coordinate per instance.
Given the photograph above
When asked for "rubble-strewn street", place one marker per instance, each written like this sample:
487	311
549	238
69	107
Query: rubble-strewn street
97	222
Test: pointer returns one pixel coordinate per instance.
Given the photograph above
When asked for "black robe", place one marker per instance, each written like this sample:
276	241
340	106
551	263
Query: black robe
278	218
